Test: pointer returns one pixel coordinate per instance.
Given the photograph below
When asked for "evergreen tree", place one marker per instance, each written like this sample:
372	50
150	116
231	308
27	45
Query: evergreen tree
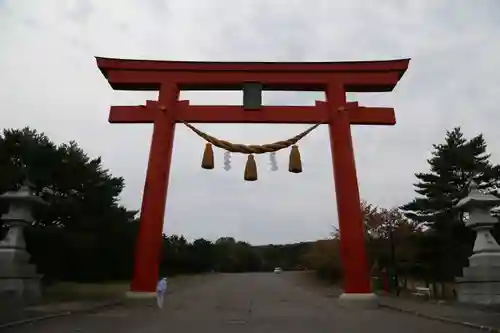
453	165
82	194
84	233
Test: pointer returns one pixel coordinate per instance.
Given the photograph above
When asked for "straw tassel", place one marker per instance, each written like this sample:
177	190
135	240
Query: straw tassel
251	169
295	164
208	157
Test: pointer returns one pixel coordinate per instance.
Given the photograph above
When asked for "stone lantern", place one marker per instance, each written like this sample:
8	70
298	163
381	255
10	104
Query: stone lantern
18	278
480	283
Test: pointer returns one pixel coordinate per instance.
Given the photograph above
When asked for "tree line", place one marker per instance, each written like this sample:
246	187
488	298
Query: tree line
86	235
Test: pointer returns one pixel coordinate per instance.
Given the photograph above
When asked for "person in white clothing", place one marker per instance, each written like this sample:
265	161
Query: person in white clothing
161	288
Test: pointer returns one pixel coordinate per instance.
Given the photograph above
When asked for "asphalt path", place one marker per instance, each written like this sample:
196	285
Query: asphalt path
257	302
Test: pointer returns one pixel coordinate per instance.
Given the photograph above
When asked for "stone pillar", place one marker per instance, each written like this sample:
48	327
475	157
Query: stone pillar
19	280
480	283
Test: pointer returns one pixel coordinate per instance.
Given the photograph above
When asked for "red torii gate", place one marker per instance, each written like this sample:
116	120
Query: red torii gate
334	78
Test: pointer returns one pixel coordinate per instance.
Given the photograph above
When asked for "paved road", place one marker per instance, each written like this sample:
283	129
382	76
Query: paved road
241	303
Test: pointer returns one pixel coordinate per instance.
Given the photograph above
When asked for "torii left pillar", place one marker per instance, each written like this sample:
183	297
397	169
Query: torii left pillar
156	186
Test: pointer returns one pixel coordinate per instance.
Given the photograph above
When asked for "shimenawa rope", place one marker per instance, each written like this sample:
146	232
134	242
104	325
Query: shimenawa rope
295	164
251	149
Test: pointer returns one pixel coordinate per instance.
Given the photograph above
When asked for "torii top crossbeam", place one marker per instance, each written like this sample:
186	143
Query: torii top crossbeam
358	76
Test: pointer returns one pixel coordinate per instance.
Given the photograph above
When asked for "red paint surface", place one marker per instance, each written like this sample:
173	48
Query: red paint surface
183	112
106	64
357	76
149	241
354	82
352	242
334	78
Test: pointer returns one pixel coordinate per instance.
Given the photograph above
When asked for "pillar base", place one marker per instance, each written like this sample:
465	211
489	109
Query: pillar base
359	301
140	295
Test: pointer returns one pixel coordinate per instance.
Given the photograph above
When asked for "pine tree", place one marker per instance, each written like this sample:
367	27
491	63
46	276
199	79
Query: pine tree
453	165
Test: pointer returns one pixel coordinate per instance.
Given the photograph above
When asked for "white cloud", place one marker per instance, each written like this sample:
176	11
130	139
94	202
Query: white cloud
50	82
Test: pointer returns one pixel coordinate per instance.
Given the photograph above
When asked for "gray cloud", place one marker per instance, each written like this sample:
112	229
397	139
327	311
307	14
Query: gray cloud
50	81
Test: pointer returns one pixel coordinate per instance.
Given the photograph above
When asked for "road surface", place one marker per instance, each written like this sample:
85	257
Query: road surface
239	303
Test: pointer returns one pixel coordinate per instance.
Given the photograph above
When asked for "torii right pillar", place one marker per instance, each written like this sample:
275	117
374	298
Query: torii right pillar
356	283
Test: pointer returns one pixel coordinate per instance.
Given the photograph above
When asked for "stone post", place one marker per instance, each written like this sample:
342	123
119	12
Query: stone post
18	278
480	283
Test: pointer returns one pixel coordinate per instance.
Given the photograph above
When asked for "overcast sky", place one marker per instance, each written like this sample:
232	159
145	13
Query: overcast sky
49	81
